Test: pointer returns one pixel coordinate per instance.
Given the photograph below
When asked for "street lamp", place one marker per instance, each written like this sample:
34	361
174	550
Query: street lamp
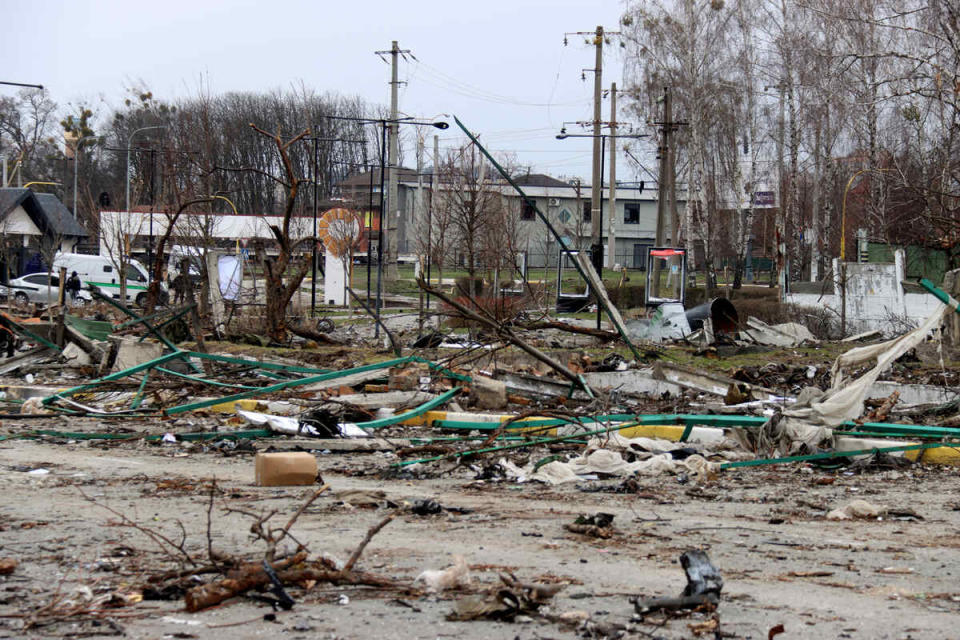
383	165
22	84
76	158
129	143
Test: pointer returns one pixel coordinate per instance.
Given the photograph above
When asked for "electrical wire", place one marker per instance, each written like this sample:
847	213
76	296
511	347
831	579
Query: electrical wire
437	78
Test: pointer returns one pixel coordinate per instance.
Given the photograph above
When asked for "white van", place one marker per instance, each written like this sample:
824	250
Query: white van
102	273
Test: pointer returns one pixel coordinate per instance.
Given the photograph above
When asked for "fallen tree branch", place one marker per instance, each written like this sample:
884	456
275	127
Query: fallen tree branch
253	576
508	335
161	540
374	530
236	583
601	334
397	349
285	531
310	334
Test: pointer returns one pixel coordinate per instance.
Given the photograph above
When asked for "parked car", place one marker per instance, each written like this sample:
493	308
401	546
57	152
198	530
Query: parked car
39	287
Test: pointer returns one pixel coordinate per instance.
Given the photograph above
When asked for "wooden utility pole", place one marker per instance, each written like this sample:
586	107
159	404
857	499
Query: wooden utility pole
612	213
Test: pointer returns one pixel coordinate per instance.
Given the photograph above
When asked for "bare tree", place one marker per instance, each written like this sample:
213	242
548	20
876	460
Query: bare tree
477	212
285	273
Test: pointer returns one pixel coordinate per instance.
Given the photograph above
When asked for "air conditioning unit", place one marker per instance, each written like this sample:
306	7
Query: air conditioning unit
554	202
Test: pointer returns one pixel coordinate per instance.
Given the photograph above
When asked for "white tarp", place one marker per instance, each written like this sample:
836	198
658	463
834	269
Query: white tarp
230	268
810	423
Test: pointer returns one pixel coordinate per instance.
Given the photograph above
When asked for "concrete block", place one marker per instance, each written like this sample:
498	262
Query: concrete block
131	353
75	356
488	393
289	468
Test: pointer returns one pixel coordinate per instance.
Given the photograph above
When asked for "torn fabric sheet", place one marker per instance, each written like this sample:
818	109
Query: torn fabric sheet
292	427
610	463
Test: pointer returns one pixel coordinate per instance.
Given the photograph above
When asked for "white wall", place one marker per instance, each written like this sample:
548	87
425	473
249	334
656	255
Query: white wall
18	222
223	226
875	297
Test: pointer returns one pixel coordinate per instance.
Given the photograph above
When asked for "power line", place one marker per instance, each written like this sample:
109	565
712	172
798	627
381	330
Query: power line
441	80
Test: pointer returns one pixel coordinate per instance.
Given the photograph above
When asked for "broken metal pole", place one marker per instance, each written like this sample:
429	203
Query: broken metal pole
510	336
93	384
413	413
759	462
159	336
152	316
941	295
461	454
300	382
602	300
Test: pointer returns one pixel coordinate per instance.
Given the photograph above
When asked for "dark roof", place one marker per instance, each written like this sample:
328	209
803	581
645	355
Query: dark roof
44	209
59	217
539	180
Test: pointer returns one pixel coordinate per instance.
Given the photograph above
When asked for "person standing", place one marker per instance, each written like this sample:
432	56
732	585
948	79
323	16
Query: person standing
73	287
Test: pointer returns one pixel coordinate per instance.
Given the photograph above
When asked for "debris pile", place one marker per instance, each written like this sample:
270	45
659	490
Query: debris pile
520	413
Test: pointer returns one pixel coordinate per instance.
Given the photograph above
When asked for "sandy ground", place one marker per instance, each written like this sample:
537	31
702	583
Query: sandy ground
765	530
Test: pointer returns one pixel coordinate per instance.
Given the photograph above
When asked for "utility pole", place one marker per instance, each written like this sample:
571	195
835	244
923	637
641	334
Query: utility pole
666	187
612	214
596	244
418	220
393	204
434	184
663	186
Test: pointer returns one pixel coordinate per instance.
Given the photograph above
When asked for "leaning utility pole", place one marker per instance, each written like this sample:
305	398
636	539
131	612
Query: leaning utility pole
393	204
612	213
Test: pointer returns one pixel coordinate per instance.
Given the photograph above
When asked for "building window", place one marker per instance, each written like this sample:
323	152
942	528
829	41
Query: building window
631	213
587	212
528	212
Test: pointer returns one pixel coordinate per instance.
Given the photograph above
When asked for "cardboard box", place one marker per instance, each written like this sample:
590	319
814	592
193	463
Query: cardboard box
285	469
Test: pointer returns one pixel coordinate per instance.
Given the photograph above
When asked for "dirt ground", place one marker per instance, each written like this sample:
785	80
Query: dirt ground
765	529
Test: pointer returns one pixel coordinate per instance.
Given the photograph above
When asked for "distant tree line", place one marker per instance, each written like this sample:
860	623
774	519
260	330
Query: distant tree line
202	145
806	95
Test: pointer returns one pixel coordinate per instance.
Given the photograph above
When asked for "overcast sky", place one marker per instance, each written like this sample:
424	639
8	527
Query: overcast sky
499	65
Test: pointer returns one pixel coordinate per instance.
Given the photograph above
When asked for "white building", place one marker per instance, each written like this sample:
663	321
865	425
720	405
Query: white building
34	225
565	204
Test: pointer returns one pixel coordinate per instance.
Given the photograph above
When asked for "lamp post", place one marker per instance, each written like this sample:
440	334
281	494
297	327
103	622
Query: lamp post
76	158
129	144
227	200
383	166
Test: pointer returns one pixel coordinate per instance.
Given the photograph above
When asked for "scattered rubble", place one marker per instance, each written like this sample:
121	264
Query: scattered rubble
537	448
